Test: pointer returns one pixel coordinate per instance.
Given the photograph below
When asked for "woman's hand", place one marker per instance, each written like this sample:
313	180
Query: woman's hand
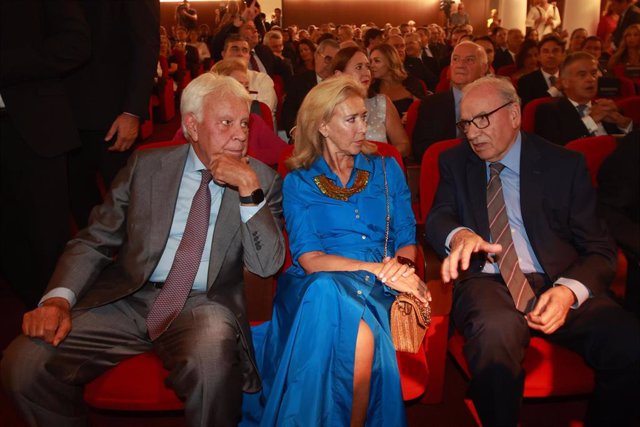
403	278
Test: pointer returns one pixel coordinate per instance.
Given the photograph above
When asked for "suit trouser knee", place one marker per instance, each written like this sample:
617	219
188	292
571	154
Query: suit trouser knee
202	350
40	396
496	337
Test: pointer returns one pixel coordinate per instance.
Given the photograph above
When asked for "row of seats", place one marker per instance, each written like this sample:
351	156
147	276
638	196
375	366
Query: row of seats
138	383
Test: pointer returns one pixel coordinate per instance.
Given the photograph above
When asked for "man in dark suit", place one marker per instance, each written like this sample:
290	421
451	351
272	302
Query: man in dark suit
619	205
161	267
413	65
37	130
301	84
543	82
110	94
262	58
629	14
438	113
575	115
514	219
502	55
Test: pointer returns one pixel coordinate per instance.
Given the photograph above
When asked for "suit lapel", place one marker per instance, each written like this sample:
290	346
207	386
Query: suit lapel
569	111
531	186
165	183
227	225
476	183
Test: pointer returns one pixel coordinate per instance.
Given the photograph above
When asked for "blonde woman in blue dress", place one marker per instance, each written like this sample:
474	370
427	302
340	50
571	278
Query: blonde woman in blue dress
326	357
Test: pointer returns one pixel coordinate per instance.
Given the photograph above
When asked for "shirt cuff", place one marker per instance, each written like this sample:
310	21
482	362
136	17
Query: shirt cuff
581	292
627	129
247	212
554	92
60	292
447	242
591	124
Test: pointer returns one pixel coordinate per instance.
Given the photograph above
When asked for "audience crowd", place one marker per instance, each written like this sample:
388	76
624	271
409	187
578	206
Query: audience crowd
415	76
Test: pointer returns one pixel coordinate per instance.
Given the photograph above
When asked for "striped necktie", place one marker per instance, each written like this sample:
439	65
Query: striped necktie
519	287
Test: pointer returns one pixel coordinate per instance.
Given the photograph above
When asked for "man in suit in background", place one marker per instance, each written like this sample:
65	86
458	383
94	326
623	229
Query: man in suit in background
619	205
514	219
438	113
110	94
301	84
545	81
629	14
160	267
428	51
575	115
37	130
413	65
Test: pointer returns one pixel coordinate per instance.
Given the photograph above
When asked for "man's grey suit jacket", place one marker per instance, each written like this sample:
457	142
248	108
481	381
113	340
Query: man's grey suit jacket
116	254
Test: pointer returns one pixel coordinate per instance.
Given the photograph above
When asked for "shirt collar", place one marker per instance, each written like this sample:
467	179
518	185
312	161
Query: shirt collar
512	159
457	95
575	104
547	75
193	163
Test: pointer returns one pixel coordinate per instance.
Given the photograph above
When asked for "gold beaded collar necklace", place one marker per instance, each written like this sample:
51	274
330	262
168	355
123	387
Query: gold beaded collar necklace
328	188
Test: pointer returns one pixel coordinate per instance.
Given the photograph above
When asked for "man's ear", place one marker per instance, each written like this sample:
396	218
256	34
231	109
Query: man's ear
191	125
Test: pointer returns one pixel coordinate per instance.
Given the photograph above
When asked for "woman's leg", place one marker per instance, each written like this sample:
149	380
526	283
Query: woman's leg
362	374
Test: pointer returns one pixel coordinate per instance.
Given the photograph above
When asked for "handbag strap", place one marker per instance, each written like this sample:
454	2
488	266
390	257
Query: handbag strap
388	216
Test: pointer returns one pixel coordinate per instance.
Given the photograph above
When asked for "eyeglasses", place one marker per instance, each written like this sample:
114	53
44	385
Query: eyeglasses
480	121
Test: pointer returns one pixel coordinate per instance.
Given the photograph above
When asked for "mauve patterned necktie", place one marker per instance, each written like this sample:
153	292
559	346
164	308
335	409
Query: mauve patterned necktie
185	265
515	279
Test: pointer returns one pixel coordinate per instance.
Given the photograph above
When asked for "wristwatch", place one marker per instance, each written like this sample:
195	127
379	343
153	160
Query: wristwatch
254	198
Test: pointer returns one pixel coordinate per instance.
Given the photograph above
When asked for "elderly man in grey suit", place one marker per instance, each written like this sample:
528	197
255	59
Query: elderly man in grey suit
161	267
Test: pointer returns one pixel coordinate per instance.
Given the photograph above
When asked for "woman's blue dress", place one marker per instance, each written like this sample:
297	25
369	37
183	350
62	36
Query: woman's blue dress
305	354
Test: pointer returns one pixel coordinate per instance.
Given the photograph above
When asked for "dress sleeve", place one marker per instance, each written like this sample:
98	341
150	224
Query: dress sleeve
403	221
299	220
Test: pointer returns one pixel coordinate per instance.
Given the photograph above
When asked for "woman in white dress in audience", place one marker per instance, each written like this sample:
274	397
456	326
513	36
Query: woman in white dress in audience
384	124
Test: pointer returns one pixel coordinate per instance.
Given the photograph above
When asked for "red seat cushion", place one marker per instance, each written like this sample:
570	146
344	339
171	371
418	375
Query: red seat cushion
136	384
551	370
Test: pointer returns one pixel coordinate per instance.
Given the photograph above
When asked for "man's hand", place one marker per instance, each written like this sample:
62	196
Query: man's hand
551	309
126	126
463	244
601	109
236	172
50	322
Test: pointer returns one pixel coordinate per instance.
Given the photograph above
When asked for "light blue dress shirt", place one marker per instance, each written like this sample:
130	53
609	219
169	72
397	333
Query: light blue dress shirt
189	184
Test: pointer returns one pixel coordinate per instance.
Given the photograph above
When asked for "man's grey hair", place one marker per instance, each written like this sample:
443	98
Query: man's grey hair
501	85
328	42
192	99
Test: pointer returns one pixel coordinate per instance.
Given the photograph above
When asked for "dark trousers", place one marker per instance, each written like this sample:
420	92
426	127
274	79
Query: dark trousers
496	337
34	213
88	164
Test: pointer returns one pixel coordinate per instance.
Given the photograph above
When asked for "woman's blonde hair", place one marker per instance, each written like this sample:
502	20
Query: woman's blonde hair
317	109
621	54
227	66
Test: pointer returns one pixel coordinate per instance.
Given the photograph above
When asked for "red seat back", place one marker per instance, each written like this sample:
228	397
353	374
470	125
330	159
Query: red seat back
529	113
595	150
266	114
630	107
430	174
507	70
412	118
